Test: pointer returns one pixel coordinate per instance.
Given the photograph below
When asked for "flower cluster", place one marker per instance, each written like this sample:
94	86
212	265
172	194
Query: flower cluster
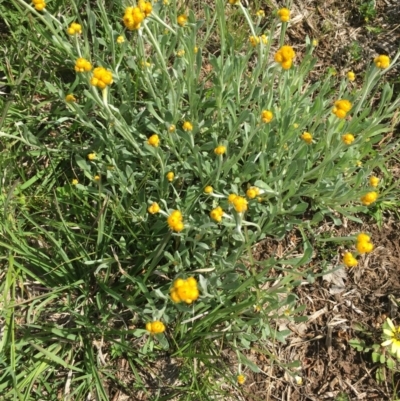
252	192
182	20
220	150
101	77
341	108
134	16
351	76
369	197
349	260
266	116
83	65
217	214
154	208
170	176
208	189
284	14
306	137
39	4
187	126
154	140
241	379
284	56
74	29
364	244
239	203
175	221
348	138
382	61
373	181
70	98
184	290
255	40
155	327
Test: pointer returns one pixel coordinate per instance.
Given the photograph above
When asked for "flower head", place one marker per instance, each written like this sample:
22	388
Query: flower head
382	61
39	4
239	204
364	246
97	177
362	237
82	65
341	108
284	56
154	208
171	128
154	140
348	139
175	221
393	338
349	260
284	14
187	126
92	156
74	181
101	77
184	290
120	39
74	29
260	13
306	137
267	116
369	197
351	76
254	40
133	17
170	176
70	98
180	53
195	50
234	2
373	181
217	213
231	198
182	19
241	379
314	42
220	150
252	192
145	7
155	327
208	189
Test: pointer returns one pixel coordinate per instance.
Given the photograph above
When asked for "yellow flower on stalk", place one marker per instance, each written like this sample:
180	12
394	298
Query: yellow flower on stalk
74	29
70	98
341	108
172	128
373	181
195	50
101	77
369	197
180	53
175	221
267	116
208	189
217	213
83	65
252	192
39	5
120	39
182	19
170	176
284	14
96	178
154	140
393	335
154	208
231	198
220	150
364	246
133	17
184	290
155	327
382	61
284	56
187	126
239	204
314	42
348	139
145	7
349	260
362	237
260	13
254	40
351	76
92	156
241	379
306	137
74	181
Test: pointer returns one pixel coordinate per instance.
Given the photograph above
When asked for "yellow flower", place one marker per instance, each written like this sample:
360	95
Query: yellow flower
364	246
358	163
195	50
74	181
341	108
182	20
252	192
254	40
373	181
231	198
170	176
145	7
351	76
284	56
155	327
171	128
260	13
120	39
175	221
264	39
349	260
348	139
74	29
233	2
217	213
91	156
284	14
382	61
187	126
241	379
154	140
153	208
314	42
306	137
70	98
208	189
184	290
267	116
362	237
220	150
394	338
96	177
133	17
369	198
180	53
101	77
239	204
39	4
82	65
